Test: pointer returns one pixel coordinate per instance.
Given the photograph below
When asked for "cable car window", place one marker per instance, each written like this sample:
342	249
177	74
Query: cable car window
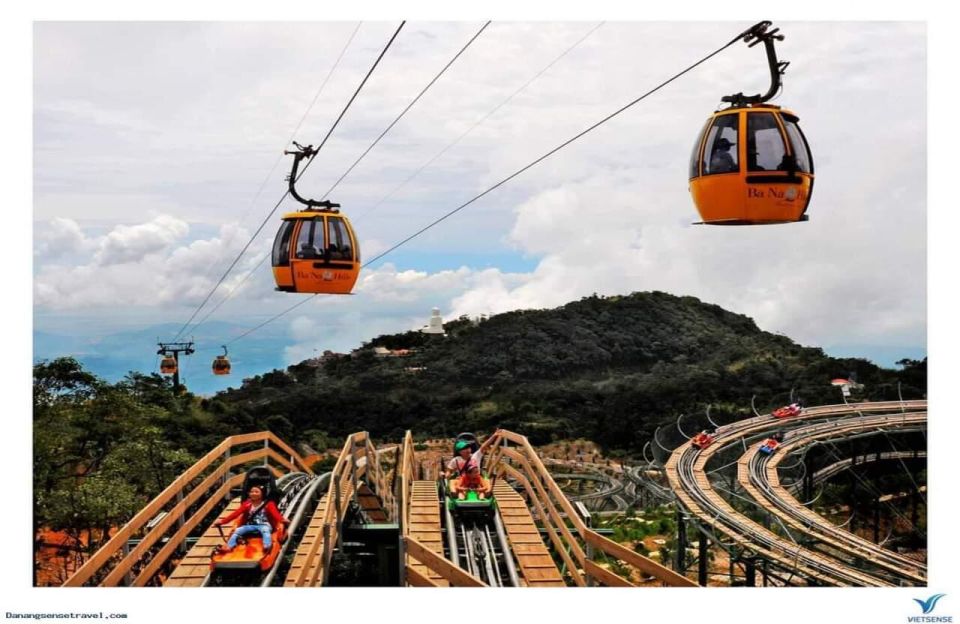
305	246
695	156
765	147
798	142
720	155
339	239
281	244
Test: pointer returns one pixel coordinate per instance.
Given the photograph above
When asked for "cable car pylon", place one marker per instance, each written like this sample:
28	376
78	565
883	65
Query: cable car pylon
170	364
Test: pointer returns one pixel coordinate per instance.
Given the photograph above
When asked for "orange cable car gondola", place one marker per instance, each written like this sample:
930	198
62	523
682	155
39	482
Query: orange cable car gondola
168	365
751	164
315	249
221	363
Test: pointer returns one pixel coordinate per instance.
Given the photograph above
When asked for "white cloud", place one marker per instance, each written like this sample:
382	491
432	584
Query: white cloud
608	214
135	264
133	243
60	237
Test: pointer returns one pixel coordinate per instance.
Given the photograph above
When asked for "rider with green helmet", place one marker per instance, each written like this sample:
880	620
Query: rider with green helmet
464	468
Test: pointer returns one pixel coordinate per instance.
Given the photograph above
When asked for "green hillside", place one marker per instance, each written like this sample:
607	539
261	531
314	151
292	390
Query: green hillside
608	369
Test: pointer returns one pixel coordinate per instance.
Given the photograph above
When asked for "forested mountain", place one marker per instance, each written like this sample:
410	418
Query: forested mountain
609	369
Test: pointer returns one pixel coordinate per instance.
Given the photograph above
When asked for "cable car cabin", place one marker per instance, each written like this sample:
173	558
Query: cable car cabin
168	365
316	251
751	165
221	365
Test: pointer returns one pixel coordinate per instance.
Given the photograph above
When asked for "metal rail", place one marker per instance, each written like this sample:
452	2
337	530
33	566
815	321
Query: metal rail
689	481
114	564
758	474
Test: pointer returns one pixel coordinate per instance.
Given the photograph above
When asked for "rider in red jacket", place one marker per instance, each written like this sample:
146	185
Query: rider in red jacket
257	516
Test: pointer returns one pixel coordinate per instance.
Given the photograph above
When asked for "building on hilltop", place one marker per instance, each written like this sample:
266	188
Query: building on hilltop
436	324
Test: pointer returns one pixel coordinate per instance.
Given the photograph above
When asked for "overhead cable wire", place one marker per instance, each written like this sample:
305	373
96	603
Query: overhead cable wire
514	174
302	171
372	145
229	295
479	121
293	135
552	151
271	319
404	112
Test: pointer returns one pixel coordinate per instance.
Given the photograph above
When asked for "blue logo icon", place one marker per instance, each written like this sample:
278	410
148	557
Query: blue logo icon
928	604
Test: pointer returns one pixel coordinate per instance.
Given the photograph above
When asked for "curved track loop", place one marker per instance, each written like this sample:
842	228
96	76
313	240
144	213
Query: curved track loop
686	474
758	475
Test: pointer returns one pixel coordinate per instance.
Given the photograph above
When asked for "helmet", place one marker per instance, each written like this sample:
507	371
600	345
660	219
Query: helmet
460	445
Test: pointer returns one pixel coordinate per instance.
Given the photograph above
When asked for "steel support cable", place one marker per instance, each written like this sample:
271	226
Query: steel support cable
516	173
365	152
405	110
552	152
799	549
815	498
480	121
229	295
302	171
870	488
727	517
903	464
293	135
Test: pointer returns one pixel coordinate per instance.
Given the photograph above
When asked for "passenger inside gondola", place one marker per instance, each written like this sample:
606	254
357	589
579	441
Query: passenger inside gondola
722	160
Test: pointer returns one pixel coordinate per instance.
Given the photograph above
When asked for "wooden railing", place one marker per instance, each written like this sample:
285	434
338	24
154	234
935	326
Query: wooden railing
581	548
210	480
358	460
408	471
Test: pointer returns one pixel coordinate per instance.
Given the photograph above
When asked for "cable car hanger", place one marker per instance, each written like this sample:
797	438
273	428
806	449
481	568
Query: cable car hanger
759	33
751	164
311	204
315	250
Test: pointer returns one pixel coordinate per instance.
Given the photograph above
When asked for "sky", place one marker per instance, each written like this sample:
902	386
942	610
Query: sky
138	131
157	150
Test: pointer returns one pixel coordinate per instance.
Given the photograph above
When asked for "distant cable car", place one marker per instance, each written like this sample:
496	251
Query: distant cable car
751	164
316	249
221	364
168	365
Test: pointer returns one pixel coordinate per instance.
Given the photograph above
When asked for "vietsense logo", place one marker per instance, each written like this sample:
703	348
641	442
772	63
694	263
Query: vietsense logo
927	606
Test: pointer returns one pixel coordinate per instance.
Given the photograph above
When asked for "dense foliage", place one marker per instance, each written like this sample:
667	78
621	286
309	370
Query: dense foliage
609	369
101	450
